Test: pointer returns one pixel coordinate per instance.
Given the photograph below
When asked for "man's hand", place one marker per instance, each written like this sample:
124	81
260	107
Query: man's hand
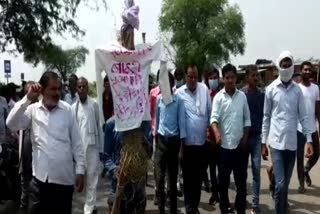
244	144
216	133
264	152
34	92
79	183
309	150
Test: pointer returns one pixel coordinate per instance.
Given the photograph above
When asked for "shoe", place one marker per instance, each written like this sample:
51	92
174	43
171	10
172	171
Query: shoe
271	190
110	205
308	179
155	201
168	201
103	173
179	193
207	186
230	210
214	199
301	190
255	210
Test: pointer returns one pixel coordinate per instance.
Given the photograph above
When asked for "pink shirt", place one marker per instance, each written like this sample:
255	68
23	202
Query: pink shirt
153	102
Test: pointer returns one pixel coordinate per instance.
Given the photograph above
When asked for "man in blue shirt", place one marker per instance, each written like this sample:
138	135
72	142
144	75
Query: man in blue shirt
255	97
197	103
230	119
170	131
284	106
134	197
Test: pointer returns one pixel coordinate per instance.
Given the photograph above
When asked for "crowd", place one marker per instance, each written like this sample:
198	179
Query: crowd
209	126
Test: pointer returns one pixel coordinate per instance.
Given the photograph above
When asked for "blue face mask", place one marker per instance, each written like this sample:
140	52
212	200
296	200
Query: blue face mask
214	84
179	83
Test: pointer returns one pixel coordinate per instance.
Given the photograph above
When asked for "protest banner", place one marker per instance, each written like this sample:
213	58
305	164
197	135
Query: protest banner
128	73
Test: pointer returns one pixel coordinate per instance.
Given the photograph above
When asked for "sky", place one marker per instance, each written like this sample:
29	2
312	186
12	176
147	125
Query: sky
271	27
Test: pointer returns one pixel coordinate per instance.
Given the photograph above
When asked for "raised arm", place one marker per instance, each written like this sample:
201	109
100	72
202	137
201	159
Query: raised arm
19	117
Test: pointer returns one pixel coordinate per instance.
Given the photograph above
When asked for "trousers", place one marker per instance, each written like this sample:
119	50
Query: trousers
91	178
49	198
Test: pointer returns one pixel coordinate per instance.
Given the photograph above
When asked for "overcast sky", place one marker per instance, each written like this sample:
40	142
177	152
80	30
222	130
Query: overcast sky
271	26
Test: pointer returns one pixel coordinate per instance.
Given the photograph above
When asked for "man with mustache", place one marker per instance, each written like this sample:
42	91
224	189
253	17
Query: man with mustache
86	113
57	150
310	93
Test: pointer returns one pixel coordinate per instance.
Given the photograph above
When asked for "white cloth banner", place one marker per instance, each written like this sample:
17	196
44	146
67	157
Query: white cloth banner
128	73
164	83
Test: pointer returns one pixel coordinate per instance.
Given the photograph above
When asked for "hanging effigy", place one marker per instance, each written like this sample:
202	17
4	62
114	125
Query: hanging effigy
128	68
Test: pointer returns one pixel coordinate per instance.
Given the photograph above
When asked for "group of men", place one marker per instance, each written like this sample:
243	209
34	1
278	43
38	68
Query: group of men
60	142
223	126
204	125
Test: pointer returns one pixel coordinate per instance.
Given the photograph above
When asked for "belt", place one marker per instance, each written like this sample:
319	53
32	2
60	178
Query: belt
173	138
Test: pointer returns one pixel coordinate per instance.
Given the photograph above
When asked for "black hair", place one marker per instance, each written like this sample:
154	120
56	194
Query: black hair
215	71
178	71
212	70
84	79
193	66
73	76
46	77
228	67
106	79
171	77
251	68
307	63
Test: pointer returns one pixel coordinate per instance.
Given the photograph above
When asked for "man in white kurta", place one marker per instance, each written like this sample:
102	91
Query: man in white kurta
86	112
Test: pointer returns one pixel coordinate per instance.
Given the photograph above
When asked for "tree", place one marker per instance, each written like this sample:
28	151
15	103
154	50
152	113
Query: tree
65	61
93	89
28	26
203	31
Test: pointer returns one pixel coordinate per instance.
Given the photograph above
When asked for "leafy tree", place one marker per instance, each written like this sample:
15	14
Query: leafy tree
65	61
93	89
202	31
28	25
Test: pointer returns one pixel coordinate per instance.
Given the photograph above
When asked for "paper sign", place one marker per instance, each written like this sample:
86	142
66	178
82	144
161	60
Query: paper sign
128	73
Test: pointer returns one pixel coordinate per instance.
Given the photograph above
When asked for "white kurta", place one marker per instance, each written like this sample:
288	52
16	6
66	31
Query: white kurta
87	116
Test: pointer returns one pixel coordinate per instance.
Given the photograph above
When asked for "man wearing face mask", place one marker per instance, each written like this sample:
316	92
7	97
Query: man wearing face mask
57	150
212	82
284	106
179	78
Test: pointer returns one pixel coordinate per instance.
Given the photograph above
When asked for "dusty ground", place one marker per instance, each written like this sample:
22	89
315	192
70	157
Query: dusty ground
306	203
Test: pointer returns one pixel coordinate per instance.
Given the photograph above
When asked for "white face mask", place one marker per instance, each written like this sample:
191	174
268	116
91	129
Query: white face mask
286	74
214	84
